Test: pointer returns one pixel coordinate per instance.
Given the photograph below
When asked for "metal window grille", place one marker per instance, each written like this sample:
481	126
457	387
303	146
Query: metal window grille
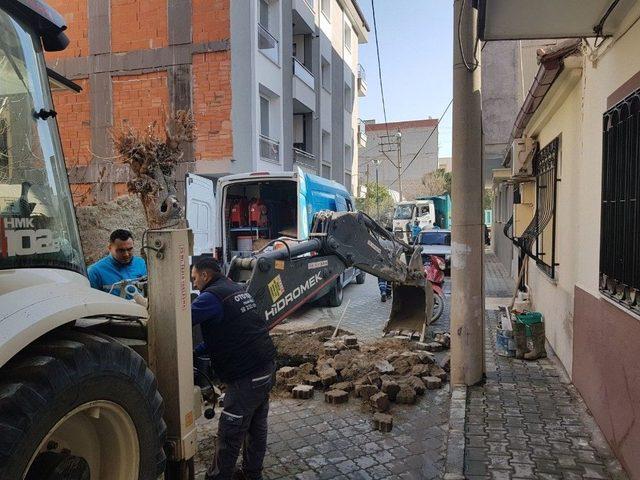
620	214
534	239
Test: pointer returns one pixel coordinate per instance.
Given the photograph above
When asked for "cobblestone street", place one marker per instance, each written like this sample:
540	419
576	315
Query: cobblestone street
311	439
527	420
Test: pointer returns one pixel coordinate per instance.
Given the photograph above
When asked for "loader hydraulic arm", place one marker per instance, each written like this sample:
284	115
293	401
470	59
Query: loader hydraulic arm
283	280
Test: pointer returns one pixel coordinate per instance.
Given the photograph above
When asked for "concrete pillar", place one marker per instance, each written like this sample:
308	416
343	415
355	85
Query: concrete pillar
467	300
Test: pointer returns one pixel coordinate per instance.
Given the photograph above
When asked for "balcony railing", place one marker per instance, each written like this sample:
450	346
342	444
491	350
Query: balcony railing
306	160
269	149
303	73
268	44
362	133
362	81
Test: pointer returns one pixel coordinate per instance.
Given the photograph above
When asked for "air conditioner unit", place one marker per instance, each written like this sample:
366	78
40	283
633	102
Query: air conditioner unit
522	152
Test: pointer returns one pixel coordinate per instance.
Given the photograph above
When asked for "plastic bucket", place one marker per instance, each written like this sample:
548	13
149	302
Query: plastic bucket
505	345
529	318
245	243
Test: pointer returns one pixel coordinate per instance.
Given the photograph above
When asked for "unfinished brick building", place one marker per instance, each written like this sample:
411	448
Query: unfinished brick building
257	74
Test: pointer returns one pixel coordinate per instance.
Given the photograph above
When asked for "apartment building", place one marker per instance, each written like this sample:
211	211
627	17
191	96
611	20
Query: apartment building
393	144
271	83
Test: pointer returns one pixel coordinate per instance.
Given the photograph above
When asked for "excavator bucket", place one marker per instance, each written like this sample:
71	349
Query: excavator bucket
411	309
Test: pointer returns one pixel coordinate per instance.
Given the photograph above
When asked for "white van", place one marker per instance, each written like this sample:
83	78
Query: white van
248	210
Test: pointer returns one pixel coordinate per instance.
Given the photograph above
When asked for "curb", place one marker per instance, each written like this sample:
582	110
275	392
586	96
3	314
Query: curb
454	467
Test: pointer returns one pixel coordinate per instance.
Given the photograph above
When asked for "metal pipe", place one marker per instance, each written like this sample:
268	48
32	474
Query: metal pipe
308	246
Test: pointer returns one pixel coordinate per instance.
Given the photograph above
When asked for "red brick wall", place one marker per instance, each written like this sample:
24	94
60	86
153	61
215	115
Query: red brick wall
211	20
74	122
75	14
212	105
138	100
138	24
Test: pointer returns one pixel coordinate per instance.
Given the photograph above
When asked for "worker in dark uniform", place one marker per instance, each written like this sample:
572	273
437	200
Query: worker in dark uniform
242	354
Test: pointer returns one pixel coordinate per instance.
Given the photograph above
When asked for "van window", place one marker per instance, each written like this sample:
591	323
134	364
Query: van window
424	210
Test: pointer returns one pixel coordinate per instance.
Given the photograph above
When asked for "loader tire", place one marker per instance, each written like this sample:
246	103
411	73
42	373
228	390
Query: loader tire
78	403
334	297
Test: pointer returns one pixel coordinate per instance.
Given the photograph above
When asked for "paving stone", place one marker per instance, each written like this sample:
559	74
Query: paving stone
383	422
432	383
420	370
417	384
384	366
303	392
365	391
350	340
380	402
391	388
346	386
313	380
437	371
336	396
406	395
328	376
287	372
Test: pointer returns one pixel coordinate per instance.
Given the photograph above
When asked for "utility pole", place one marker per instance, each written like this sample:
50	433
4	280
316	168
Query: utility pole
467	288
393	143
399	142
377	162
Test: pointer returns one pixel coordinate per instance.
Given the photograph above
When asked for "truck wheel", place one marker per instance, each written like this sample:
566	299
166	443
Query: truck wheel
334	297
78	405
360	278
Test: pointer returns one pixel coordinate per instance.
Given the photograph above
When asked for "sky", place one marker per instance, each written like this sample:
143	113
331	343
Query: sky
416	50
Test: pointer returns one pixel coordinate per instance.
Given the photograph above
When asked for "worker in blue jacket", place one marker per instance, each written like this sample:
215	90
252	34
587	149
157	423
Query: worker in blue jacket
120	264
243	357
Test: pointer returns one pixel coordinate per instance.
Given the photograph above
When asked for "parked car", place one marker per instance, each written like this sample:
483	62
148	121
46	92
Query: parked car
435	242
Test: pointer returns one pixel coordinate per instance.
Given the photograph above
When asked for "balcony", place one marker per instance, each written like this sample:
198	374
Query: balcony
303	17
269	149
305	160
303	73
362	133
268	44
362	81
304	94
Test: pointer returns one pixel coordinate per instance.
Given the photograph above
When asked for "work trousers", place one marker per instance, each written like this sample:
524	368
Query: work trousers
243	423
384	286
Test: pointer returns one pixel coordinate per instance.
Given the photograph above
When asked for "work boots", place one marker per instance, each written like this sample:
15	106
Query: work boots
520	336
537	337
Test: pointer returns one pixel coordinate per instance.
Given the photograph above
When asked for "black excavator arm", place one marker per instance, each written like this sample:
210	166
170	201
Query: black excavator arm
283	280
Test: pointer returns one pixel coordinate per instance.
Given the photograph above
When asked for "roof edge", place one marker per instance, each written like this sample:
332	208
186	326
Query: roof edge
551	64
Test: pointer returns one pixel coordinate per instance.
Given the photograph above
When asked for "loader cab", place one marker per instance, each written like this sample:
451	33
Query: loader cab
37	221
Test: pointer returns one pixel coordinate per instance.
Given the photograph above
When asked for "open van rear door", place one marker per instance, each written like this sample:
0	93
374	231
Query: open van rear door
201	212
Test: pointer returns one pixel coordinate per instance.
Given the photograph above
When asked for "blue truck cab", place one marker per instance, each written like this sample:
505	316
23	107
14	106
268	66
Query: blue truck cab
248	210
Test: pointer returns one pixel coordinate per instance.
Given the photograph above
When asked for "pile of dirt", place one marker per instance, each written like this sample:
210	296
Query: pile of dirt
302	347
389	370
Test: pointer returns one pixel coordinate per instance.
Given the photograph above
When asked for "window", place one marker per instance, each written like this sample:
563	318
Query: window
325	6
347	181
348	98
325	74
326	147
541	230
435	237
264	116
620	221
264	14
347	36
326	171
348	157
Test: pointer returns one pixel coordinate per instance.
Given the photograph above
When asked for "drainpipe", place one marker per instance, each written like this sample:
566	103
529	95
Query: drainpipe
467	290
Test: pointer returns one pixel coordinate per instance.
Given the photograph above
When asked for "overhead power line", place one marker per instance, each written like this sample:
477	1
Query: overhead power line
375	34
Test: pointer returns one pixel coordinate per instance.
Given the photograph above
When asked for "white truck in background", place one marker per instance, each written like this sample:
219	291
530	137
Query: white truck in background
407	212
